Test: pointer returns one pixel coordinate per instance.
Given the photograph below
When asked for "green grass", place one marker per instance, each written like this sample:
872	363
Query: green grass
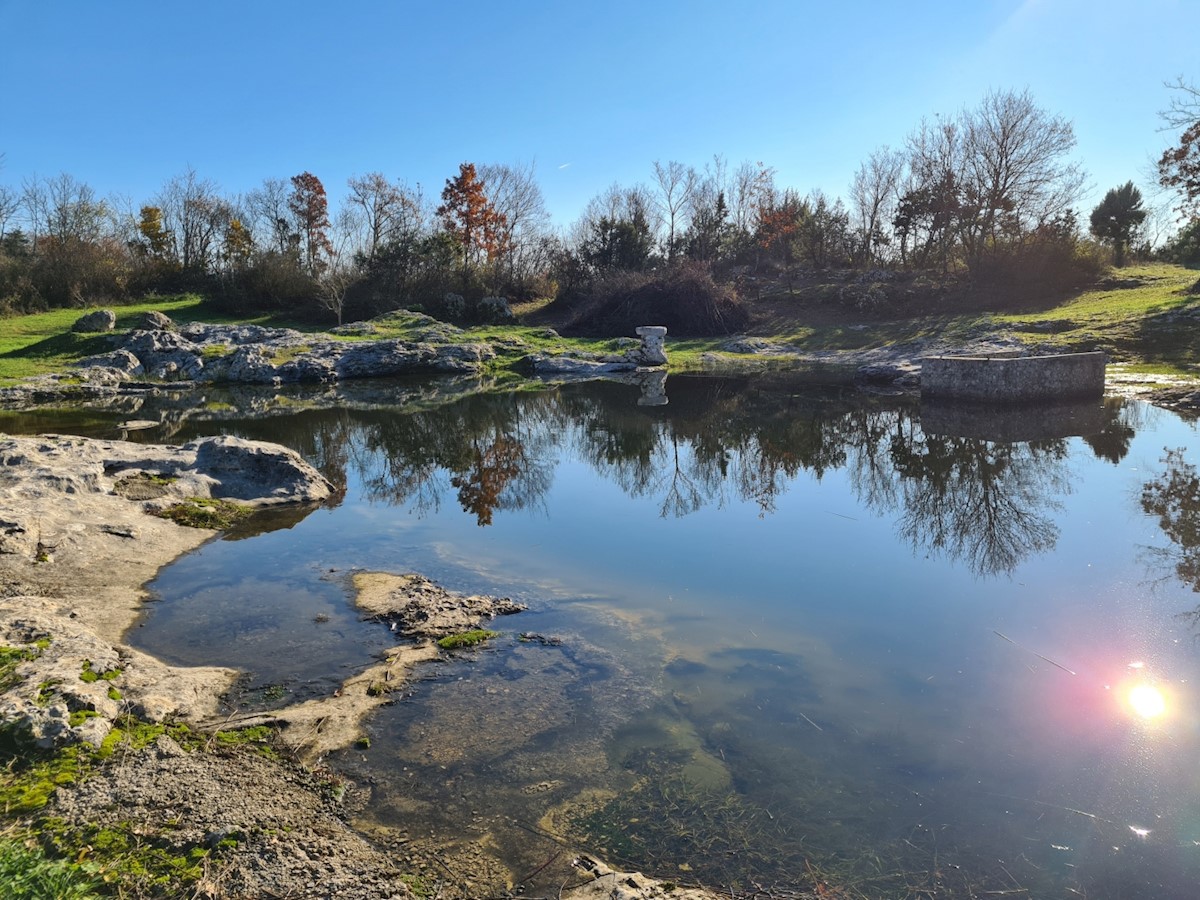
42	343
1150	322
1145	316
26	873
1135	319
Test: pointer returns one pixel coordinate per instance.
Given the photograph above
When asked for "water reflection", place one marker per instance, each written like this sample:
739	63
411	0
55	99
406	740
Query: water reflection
986	504
1173	498
796	688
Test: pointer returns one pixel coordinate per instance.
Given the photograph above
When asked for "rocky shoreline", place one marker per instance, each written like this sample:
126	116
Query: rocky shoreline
80	534
157	356
81	530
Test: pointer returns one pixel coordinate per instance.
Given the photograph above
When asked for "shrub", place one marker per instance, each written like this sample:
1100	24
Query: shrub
1184	248
684	298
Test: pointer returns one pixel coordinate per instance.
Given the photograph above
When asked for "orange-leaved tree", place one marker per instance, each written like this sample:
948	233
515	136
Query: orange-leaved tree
471	219
311	210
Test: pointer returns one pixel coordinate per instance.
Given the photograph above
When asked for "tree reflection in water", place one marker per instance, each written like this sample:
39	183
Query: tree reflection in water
987	504
1174	499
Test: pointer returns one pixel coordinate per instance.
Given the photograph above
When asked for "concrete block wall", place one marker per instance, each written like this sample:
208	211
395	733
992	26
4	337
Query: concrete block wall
1020	379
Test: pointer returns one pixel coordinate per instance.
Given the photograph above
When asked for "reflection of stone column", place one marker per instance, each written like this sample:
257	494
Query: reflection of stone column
651	353
654	387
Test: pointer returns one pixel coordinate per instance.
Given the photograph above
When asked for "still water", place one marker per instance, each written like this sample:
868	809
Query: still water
792	635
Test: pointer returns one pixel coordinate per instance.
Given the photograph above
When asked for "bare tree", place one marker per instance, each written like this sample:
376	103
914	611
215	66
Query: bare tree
10	202
1179	166
1184	107
515	193
751	185
616	204
73	211
874	194
384	210
36	205
676	183
708	212
268	213
342	270
197	216
1016	172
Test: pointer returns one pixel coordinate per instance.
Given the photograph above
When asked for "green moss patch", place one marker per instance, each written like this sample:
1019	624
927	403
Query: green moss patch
466	639
11	657
143	865
91	675
205	512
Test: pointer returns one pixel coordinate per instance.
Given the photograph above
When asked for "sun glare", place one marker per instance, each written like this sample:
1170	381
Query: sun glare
1147	701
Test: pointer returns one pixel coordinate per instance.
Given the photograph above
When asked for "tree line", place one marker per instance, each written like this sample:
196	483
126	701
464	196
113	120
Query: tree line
987	196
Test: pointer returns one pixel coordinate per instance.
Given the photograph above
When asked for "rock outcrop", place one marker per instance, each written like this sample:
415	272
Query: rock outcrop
77	543
253	354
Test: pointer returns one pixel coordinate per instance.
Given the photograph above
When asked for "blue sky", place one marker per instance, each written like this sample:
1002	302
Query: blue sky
124	95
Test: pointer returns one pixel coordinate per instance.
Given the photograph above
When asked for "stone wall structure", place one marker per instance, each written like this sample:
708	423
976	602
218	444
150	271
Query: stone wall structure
1014	379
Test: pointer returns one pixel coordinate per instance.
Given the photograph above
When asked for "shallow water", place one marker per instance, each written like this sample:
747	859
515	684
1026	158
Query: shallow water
800	634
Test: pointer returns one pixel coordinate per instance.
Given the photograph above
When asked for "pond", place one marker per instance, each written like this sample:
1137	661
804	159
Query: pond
777	633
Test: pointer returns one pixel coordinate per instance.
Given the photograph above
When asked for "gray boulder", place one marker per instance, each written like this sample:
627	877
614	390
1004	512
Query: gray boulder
253	470
101	320
121	360
166	354
579	368
153	321
383	358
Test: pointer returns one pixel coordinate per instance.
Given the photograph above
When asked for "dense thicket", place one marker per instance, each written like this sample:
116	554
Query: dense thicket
984	199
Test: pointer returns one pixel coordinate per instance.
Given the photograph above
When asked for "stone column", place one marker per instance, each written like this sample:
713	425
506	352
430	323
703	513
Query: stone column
652	353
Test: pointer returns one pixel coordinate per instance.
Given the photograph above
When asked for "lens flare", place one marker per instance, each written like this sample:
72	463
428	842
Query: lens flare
1147	701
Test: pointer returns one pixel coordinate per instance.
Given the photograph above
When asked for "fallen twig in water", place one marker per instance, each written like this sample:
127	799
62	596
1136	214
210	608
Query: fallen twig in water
1034	652
811	722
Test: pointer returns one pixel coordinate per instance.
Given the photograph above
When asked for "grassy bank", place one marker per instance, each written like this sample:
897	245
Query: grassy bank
1143	316
1134	315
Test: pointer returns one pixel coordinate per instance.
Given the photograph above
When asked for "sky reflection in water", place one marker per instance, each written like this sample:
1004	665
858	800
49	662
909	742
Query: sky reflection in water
902	644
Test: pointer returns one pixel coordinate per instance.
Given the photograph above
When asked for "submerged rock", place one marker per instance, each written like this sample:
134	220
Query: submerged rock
417	607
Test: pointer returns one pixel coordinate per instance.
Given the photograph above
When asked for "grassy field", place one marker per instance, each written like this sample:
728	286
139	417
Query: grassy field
1147	317
44	342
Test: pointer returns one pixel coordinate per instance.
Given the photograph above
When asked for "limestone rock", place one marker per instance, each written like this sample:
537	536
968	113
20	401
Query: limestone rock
253	470
153	321
166	354
101	320
121	360
419	608
605	883
579	368
652	351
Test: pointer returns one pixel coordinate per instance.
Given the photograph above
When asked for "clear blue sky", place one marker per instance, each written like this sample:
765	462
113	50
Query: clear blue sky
124	95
